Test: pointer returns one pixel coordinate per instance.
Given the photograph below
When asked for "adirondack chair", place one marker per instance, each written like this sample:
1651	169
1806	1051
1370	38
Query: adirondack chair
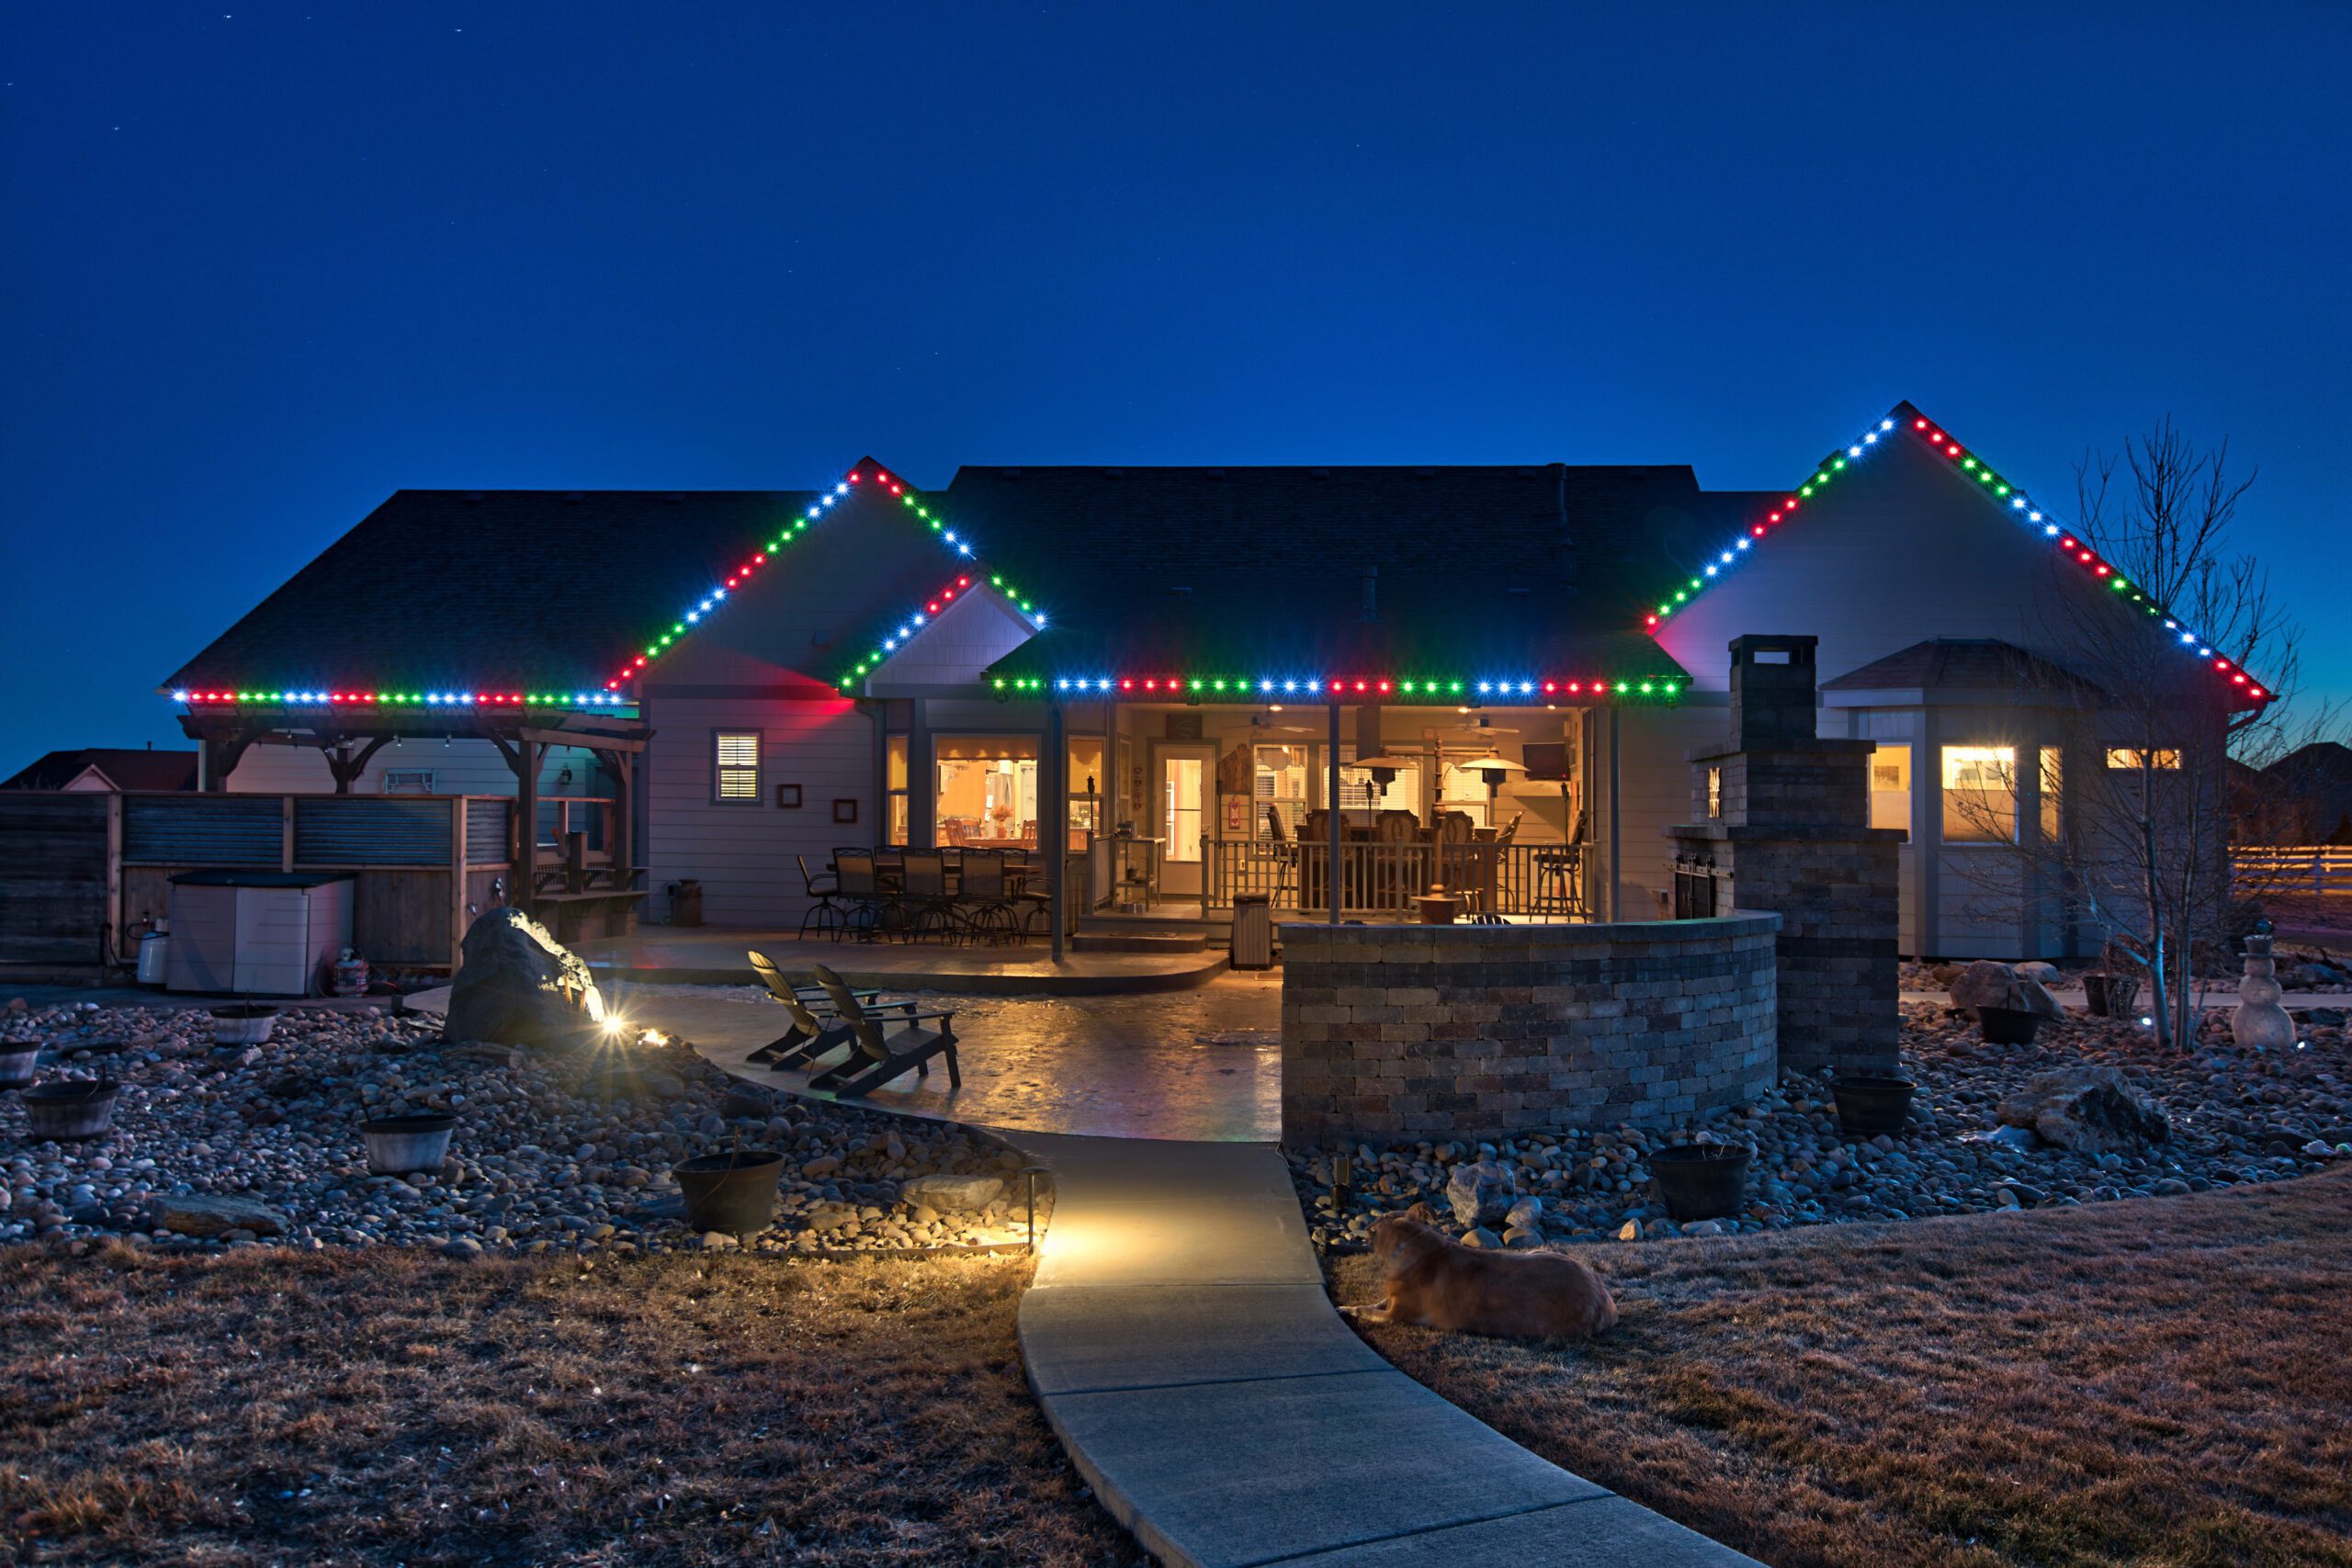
814	1030
875	1057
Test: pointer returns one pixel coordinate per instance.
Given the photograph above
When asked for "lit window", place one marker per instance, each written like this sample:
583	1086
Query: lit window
894	788
2052	793
735	767
1980	794
1890	786
1715	793
2132	759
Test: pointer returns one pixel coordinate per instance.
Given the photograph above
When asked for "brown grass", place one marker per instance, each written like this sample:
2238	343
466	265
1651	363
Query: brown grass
270	1406
2156	1381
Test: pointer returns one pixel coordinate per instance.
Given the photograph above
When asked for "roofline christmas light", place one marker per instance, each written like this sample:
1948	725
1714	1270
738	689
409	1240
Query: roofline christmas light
2000	489
361	697
1264	688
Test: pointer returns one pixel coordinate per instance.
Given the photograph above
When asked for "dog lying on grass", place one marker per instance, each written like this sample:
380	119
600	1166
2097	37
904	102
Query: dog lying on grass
1437	1282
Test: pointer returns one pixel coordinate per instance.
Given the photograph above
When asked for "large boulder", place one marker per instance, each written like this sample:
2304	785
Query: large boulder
518	986
2036	999
953	1194
1986	983
2096	1108
201	1214
1481	1193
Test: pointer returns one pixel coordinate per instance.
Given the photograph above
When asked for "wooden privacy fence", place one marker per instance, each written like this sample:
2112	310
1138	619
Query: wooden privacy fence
81	872
2293	868
1531	881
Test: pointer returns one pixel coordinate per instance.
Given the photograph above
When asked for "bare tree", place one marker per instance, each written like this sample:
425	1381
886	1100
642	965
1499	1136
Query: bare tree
2187	666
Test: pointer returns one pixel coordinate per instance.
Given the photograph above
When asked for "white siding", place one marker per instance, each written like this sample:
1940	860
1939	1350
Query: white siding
742	855
1654	770
1899	549
960	643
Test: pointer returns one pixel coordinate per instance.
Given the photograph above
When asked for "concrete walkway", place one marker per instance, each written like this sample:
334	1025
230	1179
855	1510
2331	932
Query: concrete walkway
1179	1339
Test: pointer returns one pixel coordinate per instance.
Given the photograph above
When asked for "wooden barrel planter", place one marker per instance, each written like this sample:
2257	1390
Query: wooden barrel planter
1868	1106
70	1113
1699	1181
16	1059
2008	1026
247	1023
733	1193
398	1145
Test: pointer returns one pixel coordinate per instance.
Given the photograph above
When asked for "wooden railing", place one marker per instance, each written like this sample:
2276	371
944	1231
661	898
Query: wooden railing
2293	868
1526	880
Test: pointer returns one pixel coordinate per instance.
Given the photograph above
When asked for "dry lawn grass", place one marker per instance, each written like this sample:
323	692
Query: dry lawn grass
2159	1382
378	1408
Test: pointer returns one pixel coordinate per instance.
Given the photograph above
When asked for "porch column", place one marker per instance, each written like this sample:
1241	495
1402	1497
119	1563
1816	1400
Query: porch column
1331	800
1616	816
1052	827
922	780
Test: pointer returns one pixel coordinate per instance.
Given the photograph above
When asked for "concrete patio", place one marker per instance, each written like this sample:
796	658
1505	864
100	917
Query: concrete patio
714	956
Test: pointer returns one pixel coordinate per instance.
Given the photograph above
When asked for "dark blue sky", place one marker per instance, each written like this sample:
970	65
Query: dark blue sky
262	265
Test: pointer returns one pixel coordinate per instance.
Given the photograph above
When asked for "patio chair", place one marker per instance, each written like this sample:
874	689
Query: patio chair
1285	854
860	883
875	1057
1559	876
821	886
814	1030
925	894
982	902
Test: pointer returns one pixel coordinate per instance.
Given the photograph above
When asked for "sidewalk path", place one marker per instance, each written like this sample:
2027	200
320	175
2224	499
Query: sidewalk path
1178	1336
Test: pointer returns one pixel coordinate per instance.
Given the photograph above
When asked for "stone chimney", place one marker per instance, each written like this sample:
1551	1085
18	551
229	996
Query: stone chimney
1782	824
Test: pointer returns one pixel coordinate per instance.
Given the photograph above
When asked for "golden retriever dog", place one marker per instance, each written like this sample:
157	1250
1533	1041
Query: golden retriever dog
1437	1282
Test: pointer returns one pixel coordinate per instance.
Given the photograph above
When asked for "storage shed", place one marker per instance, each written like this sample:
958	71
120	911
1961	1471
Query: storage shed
257	933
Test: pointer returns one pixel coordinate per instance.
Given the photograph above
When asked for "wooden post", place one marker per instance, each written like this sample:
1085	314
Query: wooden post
1055	822
1616	815
457	882
1331	800
527	823
114	877
286	832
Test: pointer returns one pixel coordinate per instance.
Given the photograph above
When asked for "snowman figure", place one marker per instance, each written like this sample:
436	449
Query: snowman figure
2259	1021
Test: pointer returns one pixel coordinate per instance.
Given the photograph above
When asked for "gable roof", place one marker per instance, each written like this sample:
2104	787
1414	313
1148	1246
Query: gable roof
125	767
1905	422
1502	571
1976	664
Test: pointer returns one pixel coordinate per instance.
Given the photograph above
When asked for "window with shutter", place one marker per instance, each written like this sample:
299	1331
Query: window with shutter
735	770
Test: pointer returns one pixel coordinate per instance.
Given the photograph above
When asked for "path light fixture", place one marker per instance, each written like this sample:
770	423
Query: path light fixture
1030	1173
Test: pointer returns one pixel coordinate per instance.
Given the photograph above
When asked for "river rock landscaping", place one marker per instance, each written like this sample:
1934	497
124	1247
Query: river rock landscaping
221	1148
1979	1139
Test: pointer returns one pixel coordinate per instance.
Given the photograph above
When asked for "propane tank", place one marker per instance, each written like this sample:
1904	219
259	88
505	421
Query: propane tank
349	975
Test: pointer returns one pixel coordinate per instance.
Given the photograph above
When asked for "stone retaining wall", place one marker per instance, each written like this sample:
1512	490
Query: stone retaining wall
1448	1031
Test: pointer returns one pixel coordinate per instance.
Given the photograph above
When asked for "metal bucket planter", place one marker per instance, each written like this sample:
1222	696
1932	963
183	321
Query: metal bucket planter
2008	1026
17	1058
1699	1181
247	1023
69	1112
734	1193
398	1145
2110	996
1869	1106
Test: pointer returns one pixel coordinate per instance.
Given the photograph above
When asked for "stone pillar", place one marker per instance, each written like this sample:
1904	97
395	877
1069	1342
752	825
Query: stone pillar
1783	817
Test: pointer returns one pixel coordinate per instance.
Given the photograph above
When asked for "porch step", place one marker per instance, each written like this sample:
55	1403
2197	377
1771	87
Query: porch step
1129	940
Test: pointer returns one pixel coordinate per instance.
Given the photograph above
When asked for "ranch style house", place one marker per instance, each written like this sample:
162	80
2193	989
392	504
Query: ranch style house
1494	674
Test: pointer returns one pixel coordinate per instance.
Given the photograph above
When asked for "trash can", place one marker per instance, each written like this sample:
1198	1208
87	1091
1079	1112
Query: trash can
686	902
1253	930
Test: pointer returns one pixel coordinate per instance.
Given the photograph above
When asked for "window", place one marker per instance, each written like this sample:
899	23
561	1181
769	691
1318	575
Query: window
408	781
894	788
987	790
1890	786
1980	794
2134	759
1085	765
2052	793
1280	789
1181	795
735	767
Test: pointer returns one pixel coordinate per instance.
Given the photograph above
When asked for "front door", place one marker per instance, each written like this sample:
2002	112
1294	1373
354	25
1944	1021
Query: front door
1182	800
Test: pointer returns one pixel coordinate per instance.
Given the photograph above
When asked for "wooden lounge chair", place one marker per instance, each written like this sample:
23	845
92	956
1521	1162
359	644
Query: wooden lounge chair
814	1029
875	1057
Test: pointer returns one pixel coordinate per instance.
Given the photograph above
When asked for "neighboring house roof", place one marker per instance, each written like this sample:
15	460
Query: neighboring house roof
1974	664
123	768
1506	572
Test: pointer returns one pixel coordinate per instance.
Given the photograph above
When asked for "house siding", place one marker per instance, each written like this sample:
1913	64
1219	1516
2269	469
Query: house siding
743	854
460	767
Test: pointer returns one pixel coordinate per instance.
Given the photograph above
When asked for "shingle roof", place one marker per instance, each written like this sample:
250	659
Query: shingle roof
1979	664
532	589
128	768
1513	570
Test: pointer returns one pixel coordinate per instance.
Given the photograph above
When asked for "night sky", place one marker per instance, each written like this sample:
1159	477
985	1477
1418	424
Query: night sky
260	269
